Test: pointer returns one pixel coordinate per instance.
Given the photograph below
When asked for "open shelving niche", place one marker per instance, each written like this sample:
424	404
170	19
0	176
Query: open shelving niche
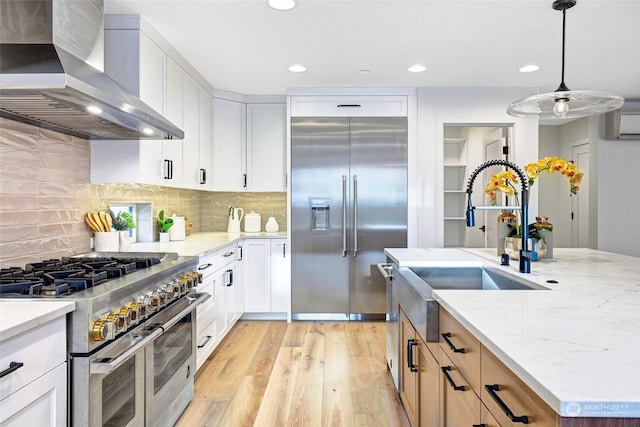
455	171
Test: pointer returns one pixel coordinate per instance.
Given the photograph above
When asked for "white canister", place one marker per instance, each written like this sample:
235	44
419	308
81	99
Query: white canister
177	229
107	241
252	222
272	225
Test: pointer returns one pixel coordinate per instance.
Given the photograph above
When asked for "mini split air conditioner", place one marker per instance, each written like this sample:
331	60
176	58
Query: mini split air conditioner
624	123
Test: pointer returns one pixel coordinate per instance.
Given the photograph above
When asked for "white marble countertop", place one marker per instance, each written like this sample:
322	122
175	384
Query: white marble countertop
201	243
576	345
18	316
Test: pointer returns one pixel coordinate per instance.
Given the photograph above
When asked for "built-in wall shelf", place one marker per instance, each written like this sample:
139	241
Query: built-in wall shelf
455	172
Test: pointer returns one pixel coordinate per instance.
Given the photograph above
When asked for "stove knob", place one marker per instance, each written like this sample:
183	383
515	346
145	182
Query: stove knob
148	302
118	320
200	277
125	312
161	298
102	330
138	311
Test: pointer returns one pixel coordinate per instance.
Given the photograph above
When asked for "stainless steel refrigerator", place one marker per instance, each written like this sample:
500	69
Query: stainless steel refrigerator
348	202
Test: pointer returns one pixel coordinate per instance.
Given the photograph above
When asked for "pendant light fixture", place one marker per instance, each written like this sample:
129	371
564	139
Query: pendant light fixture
565	103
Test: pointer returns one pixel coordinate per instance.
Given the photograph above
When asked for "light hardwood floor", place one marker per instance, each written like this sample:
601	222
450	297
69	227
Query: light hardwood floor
270	373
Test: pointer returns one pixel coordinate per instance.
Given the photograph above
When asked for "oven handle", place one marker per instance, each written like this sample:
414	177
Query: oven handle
106	366
197	298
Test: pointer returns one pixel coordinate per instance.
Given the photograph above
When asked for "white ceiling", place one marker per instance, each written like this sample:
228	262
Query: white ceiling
246	47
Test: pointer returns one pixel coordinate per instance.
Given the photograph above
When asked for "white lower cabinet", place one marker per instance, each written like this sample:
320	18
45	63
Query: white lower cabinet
34	392
216	316
266	276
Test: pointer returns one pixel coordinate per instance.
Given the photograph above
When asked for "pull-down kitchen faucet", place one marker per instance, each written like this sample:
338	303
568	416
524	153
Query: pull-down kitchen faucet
525	253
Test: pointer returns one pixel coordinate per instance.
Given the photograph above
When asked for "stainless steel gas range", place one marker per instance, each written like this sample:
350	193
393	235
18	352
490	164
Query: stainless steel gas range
131	339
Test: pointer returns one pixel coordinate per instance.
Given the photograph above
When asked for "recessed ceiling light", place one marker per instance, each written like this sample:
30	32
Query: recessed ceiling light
528	68
94	109
281	4
364	71
147	131
297	68
416	68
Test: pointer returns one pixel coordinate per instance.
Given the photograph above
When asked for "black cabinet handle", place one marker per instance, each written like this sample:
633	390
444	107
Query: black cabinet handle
479	425
284	250
230	278
492	389
203	176
410	344
204	266
13	366
228	254
240	256
446	337
205	341
167	169
244	185
445	371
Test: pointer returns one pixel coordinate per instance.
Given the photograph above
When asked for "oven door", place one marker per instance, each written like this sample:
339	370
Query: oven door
108	387
171	362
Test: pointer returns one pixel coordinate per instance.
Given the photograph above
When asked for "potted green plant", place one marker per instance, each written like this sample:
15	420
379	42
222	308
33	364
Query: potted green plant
164	224
123	222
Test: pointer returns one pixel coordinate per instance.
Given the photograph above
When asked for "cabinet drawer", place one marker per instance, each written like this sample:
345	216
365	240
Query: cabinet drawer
462	347
513	394
353	106
41	403
460	405
209	263
28	349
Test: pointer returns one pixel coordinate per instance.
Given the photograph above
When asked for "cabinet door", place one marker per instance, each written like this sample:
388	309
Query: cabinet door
459	405
205	127
266	147
280	277
153	61
231	294
220	291
428	386
175	98
408	385
256	254
191	142
206	322
229	145
42	402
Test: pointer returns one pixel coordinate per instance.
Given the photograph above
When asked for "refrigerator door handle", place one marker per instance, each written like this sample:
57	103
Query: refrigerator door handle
355	215
344	215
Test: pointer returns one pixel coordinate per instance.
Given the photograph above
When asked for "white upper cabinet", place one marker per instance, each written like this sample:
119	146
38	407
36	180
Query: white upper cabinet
249	146
229	145
139	59
266	147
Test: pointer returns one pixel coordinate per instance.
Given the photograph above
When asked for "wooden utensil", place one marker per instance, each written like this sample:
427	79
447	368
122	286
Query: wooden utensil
91	224
103	221
109	220
96	219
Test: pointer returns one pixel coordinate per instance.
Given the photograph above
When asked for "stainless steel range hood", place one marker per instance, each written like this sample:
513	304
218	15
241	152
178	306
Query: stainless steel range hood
51	74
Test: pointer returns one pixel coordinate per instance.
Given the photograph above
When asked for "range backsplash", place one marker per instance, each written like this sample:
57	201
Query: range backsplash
45	194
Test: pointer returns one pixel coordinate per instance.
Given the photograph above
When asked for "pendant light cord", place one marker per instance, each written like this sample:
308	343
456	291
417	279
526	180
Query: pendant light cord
563	87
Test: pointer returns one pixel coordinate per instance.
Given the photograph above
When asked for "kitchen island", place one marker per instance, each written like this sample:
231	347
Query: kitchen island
576	345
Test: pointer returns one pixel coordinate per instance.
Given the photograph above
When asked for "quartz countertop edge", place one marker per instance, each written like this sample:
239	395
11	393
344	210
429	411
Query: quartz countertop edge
576	345
199	244
20	315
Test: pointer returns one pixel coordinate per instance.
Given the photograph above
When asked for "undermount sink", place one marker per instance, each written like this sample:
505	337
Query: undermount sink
472	278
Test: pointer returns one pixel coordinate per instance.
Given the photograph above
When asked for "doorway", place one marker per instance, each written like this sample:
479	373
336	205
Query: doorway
467	146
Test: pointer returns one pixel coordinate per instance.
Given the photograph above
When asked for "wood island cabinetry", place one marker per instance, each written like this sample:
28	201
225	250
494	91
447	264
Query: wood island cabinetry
419	385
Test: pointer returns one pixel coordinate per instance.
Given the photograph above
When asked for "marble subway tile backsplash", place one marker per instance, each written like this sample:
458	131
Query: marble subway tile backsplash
45	193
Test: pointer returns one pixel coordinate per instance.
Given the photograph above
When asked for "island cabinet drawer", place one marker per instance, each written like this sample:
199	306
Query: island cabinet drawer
211	262
509	399
459	404
21	357
461	347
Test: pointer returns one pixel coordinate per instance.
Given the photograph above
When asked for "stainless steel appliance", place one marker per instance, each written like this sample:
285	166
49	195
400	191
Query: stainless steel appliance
392	328
131	338
51	74
348	202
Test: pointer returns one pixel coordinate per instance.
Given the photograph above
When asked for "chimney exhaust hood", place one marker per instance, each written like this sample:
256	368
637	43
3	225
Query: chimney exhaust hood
51	74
